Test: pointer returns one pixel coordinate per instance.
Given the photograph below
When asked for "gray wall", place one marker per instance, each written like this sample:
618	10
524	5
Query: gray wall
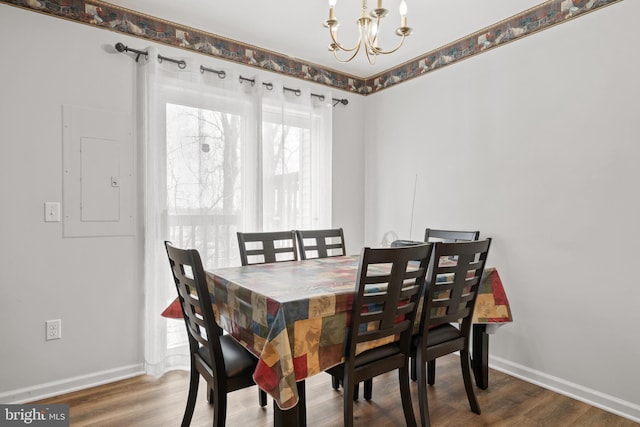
536	145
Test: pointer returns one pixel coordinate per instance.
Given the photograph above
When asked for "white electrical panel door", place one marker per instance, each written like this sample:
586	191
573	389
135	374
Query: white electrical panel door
98	178
100	188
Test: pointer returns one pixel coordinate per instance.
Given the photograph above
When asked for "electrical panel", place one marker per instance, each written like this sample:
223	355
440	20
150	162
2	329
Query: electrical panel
98	173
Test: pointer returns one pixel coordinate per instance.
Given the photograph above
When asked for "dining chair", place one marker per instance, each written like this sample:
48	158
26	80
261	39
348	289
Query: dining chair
219	359
267	246
320	243
434	235
452	283
389	286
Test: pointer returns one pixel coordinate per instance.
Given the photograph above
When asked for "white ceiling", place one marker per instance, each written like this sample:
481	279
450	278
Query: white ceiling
294	27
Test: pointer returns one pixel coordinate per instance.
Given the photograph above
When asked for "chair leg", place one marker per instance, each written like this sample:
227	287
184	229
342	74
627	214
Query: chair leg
431	371
210	395
412	362
219	408
262	398
193	394
349	395
405	394
423	401
468	385
335	382
368	388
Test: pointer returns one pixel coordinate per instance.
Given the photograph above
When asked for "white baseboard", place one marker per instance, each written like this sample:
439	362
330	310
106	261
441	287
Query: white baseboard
595	398
56	388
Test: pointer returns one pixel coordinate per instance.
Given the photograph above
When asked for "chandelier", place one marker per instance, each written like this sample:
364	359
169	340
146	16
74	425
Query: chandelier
368	29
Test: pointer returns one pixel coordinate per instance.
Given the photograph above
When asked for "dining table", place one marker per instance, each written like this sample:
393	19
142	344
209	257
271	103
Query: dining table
293	316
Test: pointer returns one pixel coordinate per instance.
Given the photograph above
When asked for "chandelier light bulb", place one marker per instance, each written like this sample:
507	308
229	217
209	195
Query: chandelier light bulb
403	13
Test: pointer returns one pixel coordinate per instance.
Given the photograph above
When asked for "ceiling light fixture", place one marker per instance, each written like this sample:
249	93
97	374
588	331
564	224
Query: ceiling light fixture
368	28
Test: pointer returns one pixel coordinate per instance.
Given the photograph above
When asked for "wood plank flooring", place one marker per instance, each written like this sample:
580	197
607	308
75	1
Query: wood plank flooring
145	402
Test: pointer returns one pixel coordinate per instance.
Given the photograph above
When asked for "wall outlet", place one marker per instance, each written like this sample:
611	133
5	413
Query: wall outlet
53	329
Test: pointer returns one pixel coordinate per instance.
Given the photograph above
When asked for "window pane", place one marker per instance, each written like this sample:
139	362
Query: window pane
287	172
204	190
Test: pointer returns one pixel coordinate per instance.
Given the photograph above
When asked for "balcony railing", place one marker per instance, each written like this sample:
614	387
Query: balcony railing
214	235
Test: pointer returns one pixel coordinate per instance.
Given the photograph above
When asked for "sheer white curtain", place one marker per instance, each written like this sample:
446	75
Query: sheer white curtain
221	157
296	159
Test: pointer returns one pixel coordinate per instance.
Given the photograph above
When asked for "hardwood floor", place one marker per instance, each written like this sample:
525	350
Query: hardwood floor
145	401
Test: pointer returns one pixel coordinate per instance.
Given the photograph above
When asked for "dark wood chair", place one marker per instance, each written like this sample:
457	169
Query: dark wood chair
402	243
267	247
225	365
321	243
449	236
389	287
433	235
452	283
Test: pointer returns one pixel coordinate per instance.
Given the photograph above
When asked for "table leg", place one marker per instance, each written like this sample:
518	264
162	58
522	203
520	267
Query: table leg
294	417
480	355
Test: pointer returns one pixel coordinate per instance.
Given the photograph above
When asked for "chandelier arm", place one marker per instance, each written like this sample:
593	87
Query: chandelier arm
371	43
335	54
339	46
371	56
379	51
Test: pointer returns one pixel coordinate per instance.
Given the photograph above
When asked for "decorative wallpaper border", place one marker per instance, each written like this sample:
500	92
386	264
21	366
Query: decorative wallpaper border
105	15
530	21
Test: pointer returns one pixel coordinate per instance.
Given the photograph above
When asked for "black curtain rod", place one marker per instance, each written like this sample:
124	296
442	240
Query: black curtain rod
182	65
122	48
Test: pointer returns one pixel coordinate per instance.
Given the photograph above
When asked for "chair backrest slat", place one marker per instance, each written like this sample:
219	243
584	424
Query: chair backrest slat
321	243
267	247
452	283
433	235
390	284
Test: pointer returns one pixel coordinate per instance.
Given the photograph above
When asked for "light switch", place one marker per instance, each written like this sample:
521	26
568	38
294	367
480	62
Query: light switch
52	212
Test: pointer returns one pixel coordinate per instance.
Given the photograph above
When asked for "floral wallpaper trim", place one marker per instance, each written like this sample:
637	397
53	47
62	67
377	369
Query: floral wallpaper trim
105	15
531	21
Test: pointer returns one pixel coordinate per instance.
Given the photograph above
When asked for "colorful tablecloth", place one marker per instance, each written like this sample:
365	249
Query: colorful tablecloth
492	305
294	315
